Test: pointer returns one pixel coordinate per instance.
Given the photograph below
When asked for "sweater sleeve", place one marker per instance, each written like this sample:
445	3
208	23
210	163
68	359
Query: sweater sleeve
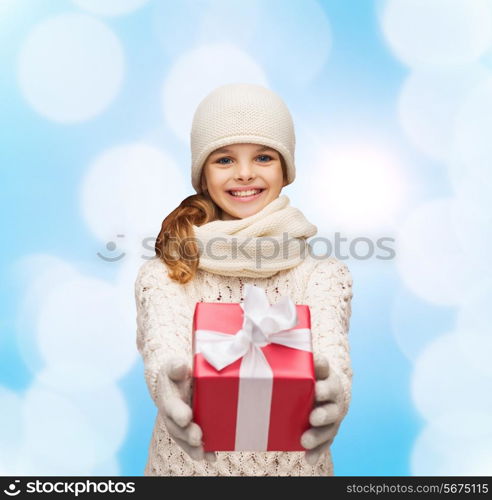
329	295
164	320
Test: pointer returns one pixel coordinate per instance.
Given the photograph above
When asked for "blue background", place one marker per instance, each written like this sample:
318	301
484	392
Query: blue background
351	97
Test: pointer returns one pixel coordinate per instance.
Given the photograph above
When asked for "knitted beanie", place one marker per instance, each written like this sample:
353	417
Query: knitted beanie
241	113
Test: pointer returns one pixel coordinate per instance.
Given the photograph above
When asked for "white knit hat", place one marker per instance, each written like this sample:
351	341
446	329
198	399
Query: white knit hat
241	113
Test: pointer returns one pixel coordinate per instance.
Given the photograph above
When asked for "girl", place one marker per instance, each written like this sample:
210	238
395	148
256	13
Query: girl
238	229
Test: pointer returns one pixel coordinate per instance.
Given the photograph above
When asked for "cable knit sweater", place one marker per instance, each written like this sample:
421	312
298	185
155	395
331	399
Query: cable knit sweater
164	326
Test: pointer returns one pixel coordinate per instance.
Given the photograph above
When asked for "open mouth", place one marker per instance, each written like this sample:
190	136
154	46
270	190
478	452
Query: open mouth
248	197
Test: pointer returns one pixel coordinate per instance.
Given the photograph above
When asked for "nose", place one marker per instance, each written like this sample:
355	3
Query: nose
244	171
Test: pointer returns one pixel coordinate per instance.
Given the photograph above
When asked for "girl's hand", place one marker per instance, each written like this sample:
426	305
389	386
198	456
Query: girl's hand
325	417
174	391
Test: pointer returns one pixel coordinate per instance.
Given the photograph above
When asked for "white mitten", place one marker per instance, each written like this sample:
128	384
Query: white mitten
174	399
325	417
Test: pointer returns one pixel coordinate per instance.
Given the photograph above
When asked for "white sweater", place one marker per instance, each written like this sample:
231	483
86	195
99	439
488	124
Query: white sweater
164	326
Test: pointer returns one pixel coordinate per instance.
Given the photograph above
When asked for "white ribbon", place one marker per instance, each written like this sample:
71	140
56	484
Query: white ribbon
263	324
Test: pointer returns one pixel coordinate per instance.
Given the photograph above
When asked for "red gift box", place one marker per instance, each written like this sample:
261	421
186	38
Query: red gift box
262	400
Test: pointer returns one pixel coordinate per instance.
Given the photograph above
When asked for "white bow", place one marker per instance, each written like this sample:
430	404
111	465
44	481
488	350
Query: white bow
262	324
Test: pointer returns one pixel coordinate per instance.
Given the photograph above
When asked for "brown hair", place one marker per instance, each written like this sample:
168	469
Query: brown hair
175	245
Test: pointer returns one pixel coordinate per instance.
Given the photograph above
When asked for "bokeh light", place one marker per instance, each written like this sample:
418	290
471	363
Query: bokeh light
110	7
128	190
456	452
357	187
437	33
445	380
71	67
430	259
203	69
82	319
273	35
391	101
472	136
429	103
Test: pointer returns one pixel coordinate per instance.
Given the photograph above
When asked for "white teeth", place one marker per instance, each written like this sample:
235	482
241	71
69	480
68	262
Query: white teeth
245	193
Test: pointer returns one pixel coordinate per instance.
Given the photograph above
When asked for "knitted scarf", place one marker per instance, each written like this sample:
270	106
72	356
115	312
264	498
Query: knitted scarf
261	245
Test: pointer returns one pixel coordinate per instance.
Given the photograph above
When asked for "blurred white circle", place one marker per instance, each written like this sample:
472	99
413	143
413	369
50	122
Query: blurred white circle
472	223
93	422
110	7
77	377
471	183
472	132
429	257
191	24
84	321
473	326
203	69
429	102
474	312
55	427
445	380
127	192
37	275
416	322
70	67
437	33
273	35
102	401
358	187
11	429
457	444
282	43
476	346
480	464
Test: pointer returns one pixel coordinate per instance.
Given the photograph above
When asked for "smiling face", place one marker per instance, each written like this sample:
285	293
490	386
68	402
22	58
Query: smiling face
252	169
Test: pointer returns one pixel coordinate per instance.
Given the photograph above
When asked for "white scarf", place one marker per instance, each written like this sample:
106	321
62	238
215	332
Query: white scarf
269	241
